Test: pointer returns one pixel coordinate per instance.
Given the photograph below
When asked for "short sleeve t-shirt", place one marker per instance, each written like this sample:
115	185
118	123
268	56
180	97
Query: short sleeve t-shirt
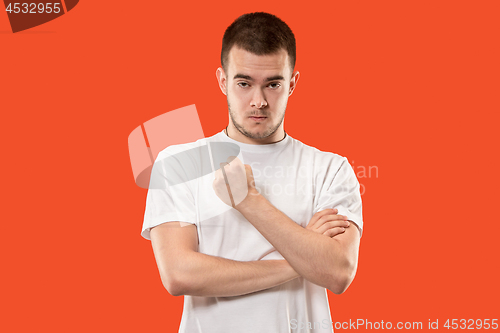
297	179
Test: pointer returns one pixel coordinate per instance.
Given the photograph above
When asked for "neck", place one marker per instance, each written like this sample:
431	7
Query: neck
234	134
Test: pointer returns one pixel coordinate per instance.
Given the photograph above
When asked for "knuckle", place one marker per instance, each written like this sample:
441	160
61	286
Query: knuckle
332	224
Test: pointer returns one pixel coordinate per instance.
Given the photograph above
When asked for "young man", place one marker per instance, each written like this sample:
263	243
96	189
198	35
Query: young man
260	262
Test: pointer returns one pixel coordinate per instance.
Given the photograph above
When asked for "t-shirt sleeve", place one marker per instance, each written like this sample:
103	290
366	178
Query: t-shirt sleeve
169	199
340	189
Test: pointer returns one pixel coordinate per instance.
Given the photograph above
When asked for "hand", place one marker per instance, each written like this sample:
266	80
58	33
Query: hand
328	223
230	183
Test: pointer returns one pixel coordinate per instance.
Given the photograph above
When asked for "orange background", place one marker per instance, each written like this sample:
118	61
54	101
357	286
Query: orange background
409	87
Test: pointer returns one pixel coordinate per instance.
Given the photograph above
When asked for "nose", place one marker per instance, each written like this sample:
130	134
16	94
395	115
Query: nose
258	99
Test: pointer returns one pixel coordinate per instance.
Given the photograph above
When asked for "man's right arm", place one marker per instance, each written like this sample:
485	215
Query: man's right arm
185	271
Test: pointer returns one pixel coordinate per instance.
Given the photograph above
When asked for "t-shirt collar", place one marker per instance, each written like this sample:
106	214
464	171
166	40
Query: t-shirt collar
247	147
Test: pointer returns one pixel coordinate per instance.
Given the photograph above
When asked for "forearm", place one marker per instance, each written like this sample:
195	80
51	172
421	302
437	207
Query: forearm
318	258
205	275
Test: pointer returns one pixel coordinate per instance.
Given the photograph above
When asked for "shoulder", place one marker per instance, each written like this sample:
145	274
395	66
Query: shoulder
317	156
179	148
189	161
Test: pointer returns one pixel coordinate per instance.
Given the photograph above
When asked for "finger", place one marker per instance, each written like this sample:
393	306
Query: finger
217	174
232	163
315	219
236	177
333	217
319	215
248	170
327	218
334	232
222	165
331	225
326	212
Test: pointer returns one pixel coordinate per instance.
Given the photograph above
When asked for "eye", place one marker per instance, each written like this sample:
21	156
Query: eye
274	85
243	84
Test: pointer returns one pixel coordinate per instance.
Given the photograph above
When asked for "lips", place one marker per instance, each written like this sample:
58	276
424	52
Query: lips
258	118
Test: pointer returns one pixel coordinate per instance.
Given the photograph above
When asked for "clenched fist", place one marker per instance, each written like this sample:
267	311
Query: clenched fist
233	182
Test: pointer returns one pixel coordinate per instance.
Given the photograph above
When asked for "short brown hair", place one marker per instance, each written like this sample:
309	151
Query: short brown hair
259	33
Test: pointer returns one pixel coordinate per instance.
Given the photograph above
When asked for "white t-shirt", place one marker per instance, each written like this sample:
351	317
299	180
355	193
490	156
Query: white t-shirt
297	179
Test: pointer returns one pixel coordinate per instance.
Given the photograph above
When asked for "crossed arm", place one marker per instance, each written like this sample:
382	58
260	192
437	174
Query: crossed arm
185	271
325	252
327	262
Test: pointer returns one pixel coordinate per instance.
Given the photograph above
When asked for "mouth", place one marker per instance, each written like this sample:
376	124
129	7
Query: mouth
257	118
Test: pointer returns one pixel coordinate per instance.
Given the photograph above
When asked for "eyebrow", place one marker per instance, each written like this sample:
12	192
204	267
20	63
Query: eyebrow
248	77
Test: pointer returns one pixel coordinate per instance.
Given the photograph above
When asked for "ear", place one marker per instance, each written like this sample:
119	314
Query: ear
221	78
293	82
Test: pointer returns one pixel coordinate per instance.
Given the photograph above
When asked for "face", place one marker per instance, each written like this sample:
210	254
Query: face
257	90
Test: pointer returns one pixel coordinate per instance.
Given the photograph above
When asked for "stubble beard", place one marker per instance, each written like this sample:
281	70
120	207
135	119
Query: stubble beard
243	131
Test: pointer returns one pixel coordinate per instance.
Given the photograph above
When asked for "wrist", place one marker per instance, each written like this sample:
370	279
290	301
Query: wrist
291	273
252	200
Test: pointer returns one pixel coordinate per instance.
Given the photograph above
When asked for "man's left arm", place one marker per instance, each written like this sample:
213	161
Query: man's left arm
330	262
327	262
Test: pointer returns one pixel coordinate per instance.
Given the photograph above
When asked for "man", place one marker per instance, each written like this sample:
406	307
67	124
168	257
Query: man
257	262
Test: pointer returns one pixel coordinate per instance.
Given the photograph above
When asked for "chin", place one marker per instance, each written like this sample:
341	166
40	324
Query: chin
260	135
